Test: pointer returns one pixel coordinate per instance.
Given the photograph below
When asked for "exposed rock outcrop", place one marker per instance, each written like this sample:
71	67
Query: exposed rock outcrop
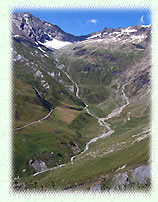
38	165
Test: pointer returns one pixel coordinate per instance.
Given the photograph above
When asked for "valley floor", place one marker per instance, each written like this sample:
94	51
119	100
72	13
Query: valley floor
116	159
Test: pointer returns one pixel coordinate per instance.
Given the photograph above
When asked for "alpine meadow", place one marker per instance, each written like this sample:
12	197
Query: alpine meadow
81	107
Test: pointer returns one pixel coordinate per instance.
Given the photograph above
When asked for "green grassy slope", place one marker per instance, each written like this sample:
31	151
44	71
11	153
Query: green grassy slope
58	133
101	69
104	157
100	73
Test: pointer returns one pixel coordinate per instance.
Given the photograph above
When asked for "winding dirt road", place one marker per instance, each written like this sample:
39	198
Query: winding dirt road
34	122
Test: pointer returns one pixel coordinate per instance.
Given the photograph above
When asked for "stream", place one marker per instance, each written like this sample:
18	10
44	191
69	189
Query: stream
101	121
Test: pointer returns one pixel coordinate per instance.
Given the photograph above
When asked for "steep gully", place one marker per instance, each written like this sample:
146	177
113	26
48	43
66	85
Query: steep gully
101	121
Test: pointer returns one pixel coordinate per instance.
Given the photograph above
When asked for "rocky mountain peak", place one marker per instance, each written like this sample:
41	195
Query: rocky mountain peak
44	33
27	14
39	30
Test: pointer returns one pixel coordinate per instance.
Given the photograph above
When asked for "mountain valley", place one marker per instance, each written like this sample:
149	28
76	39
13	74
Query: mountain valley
81	107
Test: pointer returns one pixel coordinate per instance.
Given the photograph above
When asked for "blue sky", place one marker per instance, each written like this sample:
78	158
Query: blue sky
81	22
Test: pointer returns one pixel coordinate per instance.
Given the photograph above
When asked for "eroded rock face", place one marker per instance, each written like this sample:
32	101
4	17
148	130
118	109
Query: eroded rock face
138	177
141	175
38	165
39	30
120	181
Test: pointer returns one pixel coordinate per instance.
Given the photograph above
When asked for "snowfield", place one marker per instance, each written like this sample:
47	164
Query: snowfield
94	36
56	44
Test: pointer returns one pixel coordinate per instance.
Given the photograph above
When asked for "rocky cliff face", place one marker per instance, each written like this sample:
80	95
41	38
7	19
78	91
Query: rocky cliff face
39	30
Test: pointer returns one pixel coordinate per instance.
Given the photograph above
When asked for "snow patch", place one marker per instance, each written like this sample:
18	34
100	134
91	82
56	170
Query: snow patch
16	36
94	40
26	20
94	36
48	24
41	49
105	33
26	15
129	30
146	25
46	55
56	44
139	38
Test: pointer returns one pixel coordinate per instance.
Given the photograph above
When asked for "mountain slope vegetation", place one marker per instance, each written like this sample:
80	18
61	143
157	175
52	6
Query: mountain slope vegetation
81	112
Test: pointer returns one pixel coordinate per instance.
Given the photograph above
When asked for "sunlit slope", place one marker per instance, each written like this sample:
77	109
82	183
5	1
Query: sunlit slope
100	70
34	73
101	67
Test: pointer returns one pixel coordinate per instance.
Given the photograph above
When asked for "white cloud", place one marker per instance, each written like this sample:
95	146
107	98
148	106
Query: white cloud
142	19
94	21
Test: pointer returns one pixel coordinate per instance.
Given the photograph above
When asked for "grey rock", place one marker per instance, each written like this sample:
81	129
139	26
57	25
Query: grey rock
60	66
39	30
38	165
120	181
37	74
141	174
16	56
96	188
138	176
71	88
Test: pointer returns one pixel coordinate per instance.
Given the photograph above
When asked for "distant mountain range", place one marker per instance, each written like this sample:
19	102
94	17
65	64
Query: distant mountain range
40	32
